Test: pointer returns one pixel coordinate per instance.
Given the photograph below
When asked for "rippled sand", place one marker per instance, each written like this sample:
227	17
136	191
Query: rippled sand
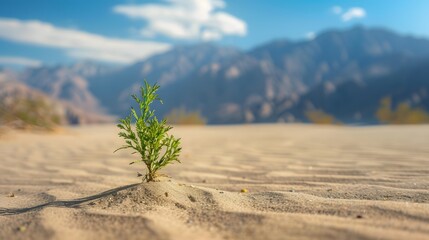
303	182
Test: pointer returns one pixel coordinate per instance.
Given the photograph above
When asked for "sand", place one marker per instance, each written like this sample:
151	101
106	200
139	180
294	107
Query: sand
303	182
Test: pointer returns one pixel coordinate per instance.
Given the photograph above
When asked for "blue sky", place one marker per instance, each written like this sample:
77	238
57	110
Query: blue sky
120	32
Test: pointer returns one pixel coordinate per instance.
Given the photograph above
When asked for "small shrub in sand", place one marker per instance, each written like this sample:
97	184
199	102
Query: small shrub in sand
29	113
149	138
320	117
403	114
182	117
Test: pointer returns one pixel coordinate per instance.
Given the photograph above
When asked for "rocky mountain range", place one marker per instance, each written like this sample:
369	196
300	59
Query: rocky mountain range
356	101
343	73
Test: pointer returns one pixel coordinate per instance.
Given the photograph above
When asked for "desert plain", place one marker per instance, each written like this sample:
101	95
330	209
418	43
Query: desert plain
299	182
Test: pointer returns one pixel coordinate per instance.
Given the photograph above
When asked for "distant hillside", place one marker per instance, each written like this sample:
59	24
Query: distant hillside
229	86
177	65
357	53
68	83
354	101
23	107
277	81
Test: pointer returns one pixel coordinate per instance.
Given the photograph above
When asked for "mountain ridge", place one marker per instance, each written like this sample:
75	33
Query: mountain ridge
228	85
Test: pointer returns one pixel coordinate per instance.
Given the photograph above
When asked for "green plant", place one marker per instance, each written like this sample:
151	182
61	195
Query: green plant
149	137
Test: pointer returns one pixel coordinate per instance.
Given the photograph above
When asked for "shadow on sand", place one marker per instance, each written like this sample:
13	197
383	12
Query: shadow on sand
65	203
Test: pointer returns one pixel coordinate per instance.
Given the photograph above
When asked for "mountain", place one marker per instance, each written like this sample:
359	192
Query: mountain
176	65
277	81
230	86
68	83
357	53
355	101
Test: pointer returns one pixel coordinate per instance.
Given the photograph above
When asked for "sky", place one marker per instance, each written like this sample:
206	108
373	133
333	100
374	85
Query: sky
50	32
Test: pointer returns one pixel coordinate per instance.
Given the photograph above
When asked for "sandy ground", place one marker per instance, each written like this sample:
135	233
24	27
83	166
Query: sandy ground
303	182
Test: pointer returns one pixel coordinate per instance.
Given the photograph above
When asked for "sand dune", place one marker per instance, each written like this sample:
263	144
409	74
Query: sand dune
303	182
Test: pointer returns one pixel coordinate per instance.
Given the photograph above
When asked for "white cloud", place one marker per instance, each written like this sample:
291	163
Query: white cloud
20	61
337	9
353	13
78	44
350	14
185	19
310	35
